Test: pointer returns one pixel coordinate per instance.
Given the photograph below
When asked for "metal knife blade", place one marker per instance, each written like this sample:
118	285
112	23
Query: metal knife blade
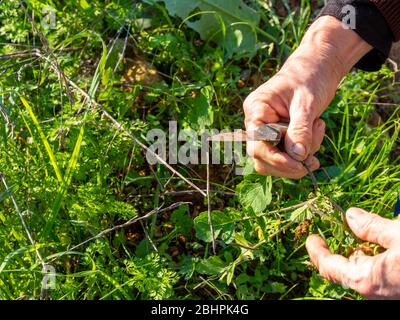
271	132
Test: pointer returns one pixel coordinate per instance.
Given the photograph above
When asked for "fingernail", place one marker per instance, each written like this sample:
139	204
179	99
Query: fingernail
299	150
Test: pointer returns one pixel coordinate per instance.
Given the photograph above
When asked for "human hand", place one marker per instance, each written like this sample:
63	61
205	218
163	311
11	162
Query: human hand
300	92
376	277
289	96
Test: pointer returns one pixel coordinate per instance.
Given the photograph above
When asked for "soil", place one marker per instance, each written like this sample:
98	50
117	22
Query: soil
138	70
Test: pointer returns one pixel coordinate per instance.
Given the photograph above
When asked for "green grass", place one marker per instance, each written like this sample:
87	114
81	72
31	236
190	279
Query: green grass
73	173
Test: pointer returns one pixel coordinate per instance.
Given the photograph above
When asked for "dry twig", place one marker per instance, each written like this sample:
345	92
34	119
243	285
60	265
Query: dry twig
126	224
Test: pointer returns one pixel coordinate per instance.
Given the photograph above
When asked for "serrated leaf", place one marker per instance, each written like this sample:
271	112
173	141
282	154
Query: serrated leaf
255	195
300	214
222	226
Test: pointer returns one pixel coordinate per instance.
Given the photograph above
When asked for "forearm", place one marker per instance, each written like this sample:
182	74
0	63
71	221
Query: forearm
341	48
326	54
375	21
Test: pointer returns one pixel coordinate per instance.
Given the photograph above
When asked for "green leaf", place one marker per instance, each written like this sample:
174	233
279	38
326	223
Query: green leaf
300	214
183	222
222	223
231	24
143	248
248	167
230	273
20	251
212	266
84	5
44	139
255	195
72	163
200	113
188	266
5	194
275	287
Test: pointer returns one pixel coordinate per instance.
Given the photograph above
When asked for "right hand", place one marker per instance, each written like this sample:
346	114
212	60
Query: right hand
299	93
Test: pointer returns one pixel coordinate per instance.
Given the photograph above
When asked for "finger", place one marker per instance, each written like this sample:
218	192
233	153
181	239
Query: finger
333	267
276	160
299	136
373	228
265	169
312	163
318	134
259	112
265	104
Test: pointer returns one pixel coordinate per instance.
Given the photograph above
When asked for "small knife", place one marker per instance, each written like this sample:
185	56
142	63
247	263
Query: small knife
271	132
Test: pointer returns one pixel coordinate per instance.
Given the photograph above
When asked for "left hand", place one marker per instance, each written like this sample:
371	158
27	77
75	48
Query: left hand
376	277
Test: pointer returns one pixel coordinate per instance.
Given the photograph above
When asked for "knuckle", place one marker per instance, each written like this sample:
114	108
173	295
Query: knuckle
260	168
250	101
246	103
323	270
367	225
321	125
278	161
302	130
258	99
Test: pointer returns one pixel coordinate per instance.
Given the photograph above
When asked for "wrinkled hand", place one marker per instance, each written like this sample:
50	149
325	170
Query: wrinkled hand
299	93
376	277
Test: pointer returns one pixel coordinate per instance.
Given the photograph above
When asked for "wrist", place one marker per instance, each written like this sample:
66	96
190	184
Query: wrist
341	48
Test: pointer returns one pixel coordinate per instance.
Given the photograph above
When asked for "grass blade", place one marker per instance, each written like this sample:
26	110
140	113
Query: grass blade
43	138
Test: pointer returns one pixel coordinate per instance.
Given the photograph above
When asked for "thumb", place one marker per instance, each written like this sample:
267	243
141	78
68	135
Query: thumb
373	228
299	135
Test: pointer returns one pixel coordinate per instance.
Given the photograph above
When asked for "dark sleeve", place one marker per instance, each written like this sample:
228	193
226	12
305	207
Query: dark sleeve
370	24
390	9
